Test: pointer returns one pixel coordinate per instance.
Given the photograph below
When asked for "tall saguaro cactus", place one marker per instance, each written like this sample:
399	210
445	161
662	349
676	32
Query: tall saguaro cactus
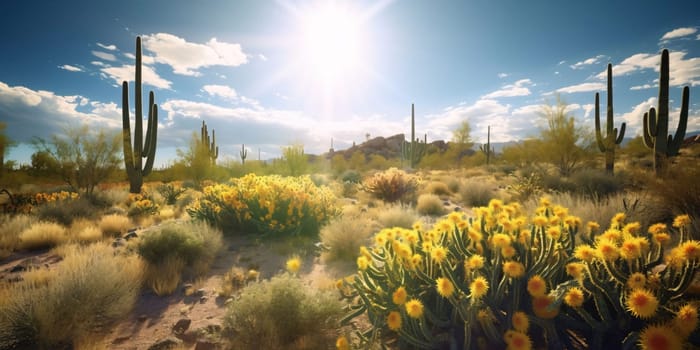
209	144
413	151
243	153
135	169
486	148
612	138
656	122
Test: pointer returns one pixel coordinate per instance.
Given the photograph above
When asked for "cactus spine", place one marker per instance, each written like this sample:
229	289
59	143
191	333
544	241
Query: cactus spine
243	153
608	143
211	147
656	122
133	156
487	147
413	151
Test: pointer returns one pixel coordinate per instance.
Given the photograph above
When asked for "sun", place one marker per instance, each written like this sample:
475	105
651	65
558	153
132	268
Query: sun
331	42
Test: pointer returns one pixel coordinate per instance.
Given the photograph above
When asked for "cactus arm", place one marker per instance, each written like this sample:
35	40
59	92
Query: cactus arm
648	134
149	143
126	133
151	136
598	134
621	134
138	118
676	142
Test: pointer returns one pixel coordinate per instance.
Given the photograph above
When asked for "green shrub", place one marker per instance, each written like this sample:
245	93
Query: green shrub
392	185
65	211
89	291
283	313
430	204
476	192
170	193
595	184
351	176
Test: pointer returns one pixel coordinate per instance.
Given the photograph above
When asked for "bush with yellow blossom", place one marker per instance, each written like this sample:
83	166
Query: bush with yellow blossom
266	205
502	279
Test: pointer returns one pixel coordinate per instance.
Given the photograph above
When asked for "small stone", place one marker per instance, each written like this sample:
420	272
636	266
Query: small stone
181	326
142	318
201	292
184	310
18	268
166	344
457	209
203	299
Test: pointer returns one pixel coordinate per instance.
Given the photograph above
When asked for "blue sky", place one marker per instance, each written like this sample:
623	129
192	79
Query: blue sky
273	73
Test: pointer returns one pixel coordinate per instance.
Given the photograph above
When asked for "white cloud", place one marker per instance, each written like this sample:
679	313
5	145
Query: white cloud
127	72
70	68
262	57
187	58
633	118
583	87
587	62
42	113
98	63
104	55
502	75
680	32
221	91
683	71
642	87
516	89
107	47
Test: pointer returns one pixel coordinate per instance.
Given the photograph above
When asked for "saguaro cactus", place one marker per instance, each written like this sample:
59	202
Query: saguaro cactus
133	156
656	122
413	151
212	148
243	153
486	148
612	138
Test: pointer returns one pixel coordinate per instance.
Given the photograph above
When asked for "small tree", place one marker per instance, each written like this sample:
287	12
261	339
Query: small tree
196	159
83	158
5	145
295	159
564	144
462	135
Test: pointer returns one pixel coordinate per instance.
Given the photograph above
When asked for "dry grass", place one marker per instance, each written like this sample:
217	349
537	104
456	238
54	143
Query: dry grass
85	231
115	224
438	188
398	216
477	192
10	228
430	204
167	212
163	277
90	290
344	236
42	235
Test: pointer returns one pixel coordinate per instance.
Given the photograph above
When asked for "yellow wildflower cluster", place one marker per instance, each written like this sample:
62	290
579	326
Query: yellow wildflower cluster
141	204
267	204
42	198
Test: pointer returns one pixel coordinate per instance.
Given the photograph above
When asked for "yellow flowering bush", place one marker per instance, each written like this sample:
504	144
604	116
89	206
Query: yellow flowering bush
508	279
266	205
139	204
43	198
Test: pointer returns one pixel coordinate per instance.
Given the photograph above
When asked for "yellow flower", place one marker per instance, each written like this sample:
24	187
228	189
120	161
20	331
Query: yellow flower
445	287
574	297
342	343
478	287
517	341
438	254
520	321
508	251
536	286
606	250
554	232
545	202
642	303
617	220
393	321
632	228
362	263
611	234
365	252
593	226
575	270
294	264
540	221
414	308
496	205
399	296
474	262
659	337
657	228
474	235
636	280
660	237
630	249
690	250
686	320
542	307
681	221
500	240
513	269
416	261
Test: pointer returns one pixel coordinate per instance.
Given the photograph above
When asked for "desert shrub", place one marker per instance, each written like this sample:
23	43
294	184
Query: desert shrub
266	205
175	248
454	185
476	192
398	216
430	204
112	196
524	185
506	278
170	193
392	185
677	193
595	184
235	279
65	211
438	188
343	237
141	205
283	313
83	230
352	176
10	228
42	235
89	291
115	224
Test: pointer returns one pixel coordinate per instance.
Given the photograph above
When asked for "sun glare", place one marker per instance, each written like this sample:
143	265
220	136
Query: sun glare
331	43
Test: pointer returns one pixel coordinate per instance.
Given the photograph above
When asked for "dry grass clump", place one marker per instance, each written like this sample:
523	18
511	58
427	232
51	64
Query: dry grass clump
235	279
430	204
176	248
398	216
42	235
392	185
88	292
438	188
344	236
283	313
10	228
65	211
115	224
477	192
83	230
